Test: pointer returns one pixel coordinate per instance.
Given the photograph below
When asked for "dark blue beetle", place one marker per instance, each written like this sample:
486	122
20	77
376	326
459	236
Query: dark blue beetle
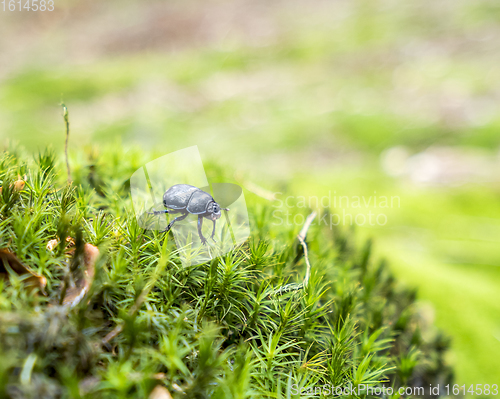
186	199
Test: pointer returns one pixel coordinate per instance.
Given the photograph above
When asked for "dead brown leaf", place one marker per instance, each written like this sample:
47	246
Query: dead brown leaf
76	293
52	244
160	392
10	260
18	185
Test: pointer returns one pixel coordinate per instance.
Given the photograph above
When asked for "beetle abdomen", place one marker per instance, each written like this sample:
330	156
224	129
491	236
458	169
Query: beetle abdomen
178	196
199	202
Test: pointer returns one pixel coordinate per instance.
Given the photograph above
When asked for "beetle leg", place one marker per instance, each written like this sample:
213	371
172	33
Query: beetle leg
158	212
200	223
213	232
175	220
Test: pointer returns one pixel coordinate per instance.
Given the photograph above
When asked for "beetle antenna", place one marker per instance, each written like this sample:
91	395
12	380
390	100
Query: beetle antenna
226	209
157	212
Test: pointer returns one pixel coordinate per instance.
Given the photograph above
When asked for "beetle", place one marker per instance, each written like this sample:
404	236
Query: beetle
186	199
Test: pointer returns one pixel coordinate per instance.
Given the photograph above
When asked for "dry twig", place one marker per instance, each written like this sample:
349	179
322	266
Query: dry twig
9	260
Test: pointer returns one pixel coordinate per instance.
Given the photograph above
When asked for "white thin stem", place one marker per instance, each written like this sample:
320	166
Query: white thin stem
302	239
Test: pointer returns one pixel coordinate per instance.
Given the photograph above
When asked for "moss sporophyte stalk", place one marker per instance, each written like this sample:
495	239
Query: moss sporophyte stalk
121	315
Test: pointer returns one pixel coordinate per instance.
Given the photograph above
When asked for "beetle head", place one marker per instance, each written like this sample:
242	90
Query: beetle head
214	210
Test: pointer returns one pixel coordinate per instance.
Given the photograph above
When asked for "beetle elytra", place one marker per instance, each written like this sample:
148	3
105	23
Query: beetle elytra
186	199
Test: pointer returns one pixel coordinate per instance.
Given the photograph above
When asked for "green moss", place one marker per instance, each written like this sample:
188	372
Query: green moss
218	329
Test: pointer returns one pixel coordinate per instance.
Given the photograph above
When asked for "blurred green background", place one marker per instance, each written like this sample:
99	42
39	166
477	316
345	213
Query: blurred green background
352	98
